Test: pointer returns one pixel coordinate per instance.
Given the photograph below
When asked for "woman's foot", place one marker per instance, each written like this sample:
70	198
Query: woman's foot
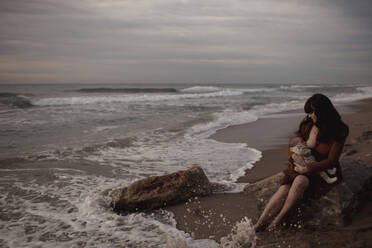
273	226
258	227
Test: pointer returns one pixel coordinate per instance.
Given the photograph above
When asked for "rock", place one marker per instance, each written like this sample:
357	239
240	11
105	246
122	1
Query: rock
349	153
159	191
264	189
344	200
264	185
336	208
366	135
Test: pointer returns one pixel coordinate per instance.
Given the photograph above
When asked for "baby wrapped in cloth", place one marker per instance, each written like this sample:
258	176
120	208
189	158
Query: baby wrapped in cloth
299	147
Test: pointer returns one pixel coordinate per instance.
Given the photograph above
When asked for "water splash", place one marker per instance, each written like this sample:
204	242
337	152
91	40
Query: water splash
242	235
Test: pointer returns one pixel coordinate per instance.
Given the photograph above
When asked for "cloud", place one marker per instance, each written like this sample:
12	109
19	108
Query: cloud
183	41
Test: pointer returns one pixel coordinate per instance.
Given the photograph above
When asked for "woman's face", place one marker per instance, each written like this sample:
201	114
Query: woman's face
312	115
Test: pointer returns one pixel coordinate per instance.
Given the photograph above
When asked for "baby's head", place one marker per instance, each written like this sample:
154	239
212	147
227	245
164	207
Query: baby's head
298	146
296	141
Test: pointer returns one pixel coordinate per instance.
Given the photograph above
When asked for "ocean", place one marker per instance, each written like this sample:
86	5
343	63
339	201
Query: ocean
62	145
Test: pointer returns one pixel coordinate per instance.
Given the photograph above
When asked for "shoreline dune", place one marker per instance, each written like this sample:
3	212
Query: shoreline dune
213	217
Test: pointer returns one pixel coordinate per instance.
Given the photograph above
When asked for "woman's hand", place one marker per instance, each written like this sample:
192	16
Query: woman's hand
301	169
298	160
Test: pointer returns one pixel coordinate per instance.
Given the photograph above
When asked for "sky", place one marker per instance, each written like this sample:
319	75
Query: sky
185	41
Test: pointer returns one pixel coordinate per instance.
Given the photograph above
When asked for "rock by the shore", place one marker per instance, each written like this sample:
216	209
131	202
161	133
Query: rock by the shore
336	208
159	191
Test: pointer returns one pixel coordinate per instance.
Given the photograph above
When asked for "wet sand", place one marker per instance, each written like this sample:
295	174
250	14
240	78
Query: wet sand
214	216
269	135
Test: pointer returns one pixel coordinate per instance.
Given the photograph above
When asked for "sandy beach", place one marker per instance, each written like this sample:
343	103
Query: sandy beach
214	216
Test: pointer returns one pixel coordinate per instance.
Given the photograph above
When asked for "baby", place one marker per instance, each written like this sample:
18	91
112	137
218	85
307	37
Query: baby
298	146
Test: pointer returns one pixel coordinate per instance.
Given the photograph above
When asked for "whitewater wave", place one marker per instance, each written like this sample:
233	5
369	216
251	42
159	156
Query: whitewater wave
194	89
234	117
222	120
71	211
259	90
131	98
127	90
300	88
363	93
201	89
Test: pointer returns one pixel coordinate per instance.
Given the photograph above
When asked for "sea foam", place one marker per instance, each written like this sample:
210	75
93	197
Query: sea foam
363	93
129	98
201	89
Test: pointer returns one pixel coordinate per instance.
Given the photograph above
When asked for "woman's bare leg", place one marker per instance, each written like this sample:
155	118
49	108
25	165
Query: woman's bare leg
295	193
273	206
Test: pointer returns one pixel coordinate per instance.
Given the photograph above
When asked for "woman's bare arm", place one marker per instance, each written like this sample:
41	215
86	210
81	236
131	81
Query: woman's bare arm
333	157
311	141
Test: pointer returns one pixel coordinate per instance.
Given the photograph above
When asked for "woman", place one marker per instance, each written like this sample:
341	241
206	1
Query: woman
325	132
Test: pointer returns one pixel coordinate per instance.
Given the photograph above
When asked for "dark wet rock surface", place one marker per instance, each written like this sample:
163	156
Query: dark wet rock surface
159	191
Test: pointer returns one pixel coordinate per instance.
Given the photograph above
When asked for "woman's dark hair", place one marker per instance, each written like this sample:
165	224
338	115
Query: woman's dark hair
328	119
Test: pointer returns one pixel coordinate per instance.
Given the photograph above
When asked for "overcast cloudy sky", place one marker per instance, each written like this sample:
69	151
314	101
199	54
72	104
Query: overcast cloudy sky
185	41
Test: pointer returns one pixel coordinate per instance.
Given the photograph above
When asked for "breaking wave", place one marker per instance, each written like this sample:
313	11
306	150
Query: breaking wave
131	98
201	89
296	86
127	90
362	93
